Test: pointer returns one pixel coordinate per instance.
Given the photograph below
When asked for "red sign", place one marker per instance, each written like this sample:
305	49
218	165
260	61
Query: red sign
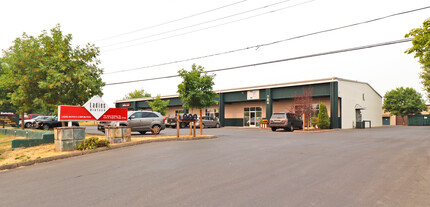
79	113
114	114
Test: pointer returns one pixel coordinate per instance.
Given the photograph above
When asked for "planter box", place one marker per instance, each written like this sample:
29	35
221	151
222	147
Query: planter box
118	134
67	138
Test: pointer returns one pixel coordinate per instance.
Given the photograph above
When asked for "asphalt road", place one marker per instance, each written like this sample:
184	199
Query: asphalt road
243	167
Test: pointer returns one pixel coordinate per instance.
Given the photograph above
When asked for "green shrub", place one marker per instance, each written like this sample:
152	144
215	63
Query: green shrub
92	143
314	121
323	118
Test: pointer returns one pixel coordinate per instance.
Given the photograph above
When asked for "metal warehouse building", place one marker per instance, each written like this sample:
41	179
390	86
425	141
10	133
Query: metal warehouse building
347	101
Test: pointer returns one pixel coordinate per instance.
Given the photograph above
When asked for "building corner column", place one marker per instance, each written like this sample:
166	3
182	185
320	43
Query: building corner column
269	103
334	105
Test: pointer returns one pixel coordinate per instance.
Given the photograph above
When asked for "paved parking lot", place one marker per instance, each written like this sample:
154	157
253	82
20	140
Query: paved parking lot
243	167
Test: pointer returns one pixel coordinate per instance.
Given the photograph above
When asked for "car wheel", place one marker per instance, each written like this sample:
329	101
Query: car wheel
217	125
273	129
182	125
291	128
28	125
45	127
156	128
142	132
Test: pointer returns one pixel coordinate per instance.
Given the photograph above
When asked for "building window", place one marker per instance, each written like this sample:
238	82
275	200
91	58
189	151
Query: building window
252	116
214	113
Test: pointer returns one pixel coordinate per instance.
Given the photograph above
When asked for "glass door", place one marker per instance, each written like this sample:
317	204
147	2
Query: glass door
252	120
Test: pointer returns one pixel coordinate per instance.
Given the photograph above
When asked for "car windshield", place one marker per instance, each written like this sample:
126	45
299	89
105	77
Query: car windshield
278	116
42	117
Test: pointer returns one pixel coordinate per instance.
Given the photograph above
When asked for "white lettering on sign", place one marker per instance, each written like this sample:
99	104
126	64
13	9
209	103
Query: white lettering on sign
96	106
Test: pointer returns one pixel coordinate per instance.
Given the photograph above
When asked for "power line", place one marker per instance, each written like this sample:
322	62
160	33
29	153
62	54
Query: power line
194	25
272	43
277	61
209	27
168	22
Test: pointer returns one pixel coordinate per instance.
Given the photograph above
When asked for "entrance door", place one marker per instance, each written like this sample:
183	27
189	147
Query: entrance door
252	119
358	121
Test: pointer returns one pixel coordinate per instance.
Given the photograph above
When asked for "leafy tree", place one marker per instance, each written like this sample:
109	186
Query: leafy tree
403	101
46	71
323	118
4	101
421	48
137	93
196	89
159	105
303	105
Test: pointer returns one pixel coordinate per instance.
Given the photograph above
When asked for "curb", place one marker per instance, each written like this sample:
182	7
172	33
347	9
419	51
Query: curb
116	146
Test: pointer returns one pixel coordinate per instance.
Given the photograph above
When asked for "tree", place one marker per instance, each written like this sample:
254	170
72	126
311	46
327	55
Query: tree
159	105
403	101
303	105
421	48
46	71
137	93
4	101
196	90
323	118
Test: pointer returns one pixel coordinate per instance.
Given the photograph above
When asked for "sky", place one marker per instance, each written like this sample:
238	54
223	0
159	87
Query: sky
136	34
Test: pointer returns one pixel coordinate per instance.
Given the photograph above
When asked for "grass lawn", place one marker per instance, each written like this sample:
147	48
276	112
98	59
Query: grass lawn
7	156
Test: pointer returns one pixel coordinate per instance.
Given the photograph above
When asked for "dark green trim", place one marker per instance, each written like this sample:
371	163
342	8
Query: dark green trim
234	122
322	89
334	105
221	109
269	103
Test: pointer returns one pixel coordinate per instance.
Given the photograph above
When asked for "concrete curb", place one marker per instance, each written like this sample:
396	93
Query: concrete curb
116	146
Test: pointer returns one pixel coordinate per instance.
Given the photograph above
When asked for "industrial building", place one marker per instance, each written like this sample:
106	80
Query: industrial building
348	103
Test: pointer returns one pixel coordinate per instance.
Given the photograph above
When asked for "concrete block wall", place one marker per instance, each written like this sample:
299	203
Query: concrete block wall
67	138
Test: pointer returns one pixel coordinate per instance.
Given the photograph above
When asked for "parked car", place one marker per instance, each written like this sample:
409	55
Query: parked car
139	121
208	122
287	121
30	116
51	122
28	123
171	122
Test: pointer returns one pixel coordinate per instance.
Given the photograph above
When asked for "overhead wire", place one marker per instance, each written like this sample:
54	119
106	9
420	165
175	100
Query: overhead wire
208	27
276	61
194	25
171	21
272	43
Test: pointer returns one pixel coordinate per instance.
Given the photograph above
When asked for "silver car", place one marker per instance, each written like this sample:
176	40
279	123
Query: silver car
139	121
208	122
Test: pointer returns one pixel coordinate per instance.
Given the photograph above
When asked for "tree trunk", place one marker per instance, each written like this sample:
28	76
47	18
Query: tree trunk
22	118
201	123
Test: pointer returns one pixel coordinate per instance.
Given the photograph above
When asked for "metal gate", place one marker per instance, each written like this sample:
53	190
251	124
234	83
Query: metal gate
419	120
